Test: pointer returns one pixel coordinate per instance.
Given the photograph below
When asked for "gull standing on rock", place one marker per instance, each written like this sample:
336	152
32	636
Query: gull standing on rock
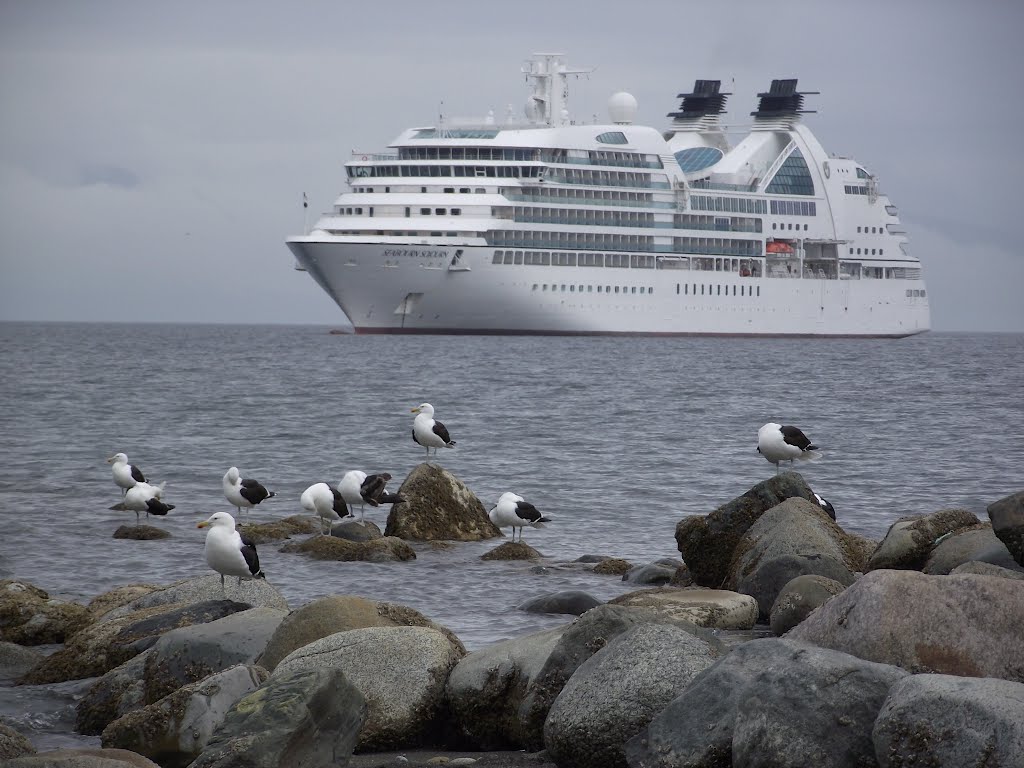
325	502
784	443
512	510
143	497
228	552
125	475
243	492
428	432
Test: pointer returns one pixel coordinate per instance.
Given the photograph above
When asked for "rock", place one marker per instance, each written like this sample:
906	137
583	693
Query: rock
175	730
862	548
615	693
28	616
987	569
1007	516
821	702
512	550
768	580
652	573
141	532
118	692
401	671
340	613
82	758
799	597
386	549
591	558
613	566
189	654
909	540
978	544
715	608
438	506
104	645
571	601
118	596
13	744
582	639
16	660
355	530
485	690
947	722
258	593
707	543
307	719
959	625
277	530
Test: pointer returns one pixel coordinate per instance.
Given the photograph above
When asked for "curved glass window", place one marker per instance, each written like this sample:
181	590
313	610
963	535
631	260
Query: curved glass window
698	158
793	177
862	174
612	137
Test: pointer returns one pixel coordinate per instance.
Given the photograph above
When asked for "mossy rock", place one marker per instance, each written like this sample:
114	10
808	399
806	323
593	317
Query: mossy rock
438	506
512	550
613	566
141	533
388	548
278	530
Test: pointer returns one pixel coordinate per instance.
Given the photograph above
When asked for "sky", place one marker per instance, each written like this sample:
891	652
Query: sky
153	156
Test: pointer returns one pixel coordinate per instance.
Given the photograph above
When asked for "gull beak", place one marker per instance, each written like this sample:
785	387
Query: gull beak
111	459
414	410
203	524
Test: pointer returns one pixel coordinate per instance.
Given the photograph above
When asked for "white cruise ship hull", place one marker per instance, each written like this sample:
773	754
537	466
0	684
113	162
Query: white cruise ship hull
387	289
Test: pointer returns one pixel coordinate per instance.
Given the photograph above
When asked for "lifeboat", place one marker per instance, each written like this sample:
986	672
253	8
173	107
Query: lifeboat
777	246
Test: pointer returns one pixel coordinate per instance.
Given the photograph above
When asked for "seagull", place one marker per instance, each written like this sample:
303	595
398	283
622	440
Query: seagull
430	433
143	497
781	443
325	501
125	475
243	492
513	510
228	552
825	505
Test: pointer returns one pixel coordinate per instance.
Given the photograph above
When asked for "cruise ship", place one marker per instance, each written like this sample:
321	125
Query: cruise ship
547	225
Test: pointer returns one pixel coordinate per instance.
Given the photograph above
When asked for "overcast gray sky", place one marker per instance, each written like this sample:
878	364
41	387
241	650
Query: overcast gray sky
153	156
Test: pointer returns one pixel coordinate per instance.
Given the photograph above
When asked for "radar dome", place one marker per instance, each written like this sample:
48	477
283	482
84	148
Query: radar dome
622	108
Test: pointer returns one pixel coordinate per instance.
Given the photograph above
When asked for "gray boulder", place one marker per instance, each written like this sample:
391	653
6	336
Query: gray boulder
652	574
175	730
909	540
340	613
356	530
386	549
401	672
571	601
306	718
707	543
16	660
798	598
485	691
29	616
987	569
438	507
118	692
1007	516
827	696
258	593
948	722
712	608
978	544
770	577
82	758
512	550
616	692
13	744
141	532
959	625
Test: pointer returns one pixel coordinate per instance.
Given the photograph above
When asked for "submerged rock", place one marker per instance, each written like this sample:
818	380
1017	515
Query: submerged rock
276	530
386	549
571	601
613	566
141	532
355	530
512	550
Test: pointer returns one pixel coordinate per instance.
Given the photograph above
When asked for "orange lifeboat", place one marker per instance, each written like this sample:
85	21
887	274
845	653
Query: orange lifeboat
777	246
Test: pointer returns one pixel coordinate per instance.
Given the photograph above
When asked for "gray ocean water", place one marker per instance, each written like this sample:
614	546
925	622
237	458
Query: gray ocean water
617	439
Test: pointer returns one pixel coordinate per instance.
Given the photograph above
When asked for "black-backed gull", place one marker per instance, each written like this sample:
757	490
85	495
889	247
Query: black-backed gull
143	497
784	443
125	475
428	432
229	552
512	510
243	492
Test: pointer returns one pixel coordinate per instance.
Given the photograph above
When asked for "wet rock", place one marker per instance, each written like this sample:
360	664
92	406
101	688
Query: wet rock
987	569
714	608
340	613
485	690
615	693
959	625
613	566
141	532
115	598
309	717
909	540
174	730
438	506
768	580
259	593
16	660
591	559
28	616
118	692
355	530
1007	516
947	722
277	530
512	550
571	601
383	550
13	744
707	543
82	758
401	671
978	544
799	597
652	573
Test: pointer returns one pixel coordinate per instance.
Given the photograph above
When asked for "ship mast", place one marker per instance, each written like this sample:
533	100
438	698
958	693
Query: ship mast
548	101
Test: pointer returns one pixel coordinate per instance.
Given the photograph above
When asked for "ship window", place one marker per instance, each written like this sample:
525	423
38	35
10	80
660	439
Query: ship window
793	177
697	158
535	286
881	251
407	212
719	291
463	190
519	257
634	289
862	174
599	289
424	211
702	289
616	289
456	211
423	189
590	288
805	227
612	137
759	290
509	256
734	290
480	190
498	255
572	289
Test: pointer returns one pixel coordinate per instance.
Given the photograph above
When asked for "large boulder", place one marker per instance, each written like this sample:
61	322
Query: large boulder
307	718
259	593
978	544
770	700
909	540
13	744
582	639
175	730
105	644
29	616
958	624
84	757
438	506
486	689
340	613
118	692
616	692
707	543
401	671
383	550
103	603
987	569
1007	516
713	608
798	598
949	722
16	660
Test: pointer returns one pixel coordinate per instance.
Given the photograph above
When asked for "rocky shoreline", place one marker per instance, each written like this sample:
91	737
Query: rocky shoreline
907	651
